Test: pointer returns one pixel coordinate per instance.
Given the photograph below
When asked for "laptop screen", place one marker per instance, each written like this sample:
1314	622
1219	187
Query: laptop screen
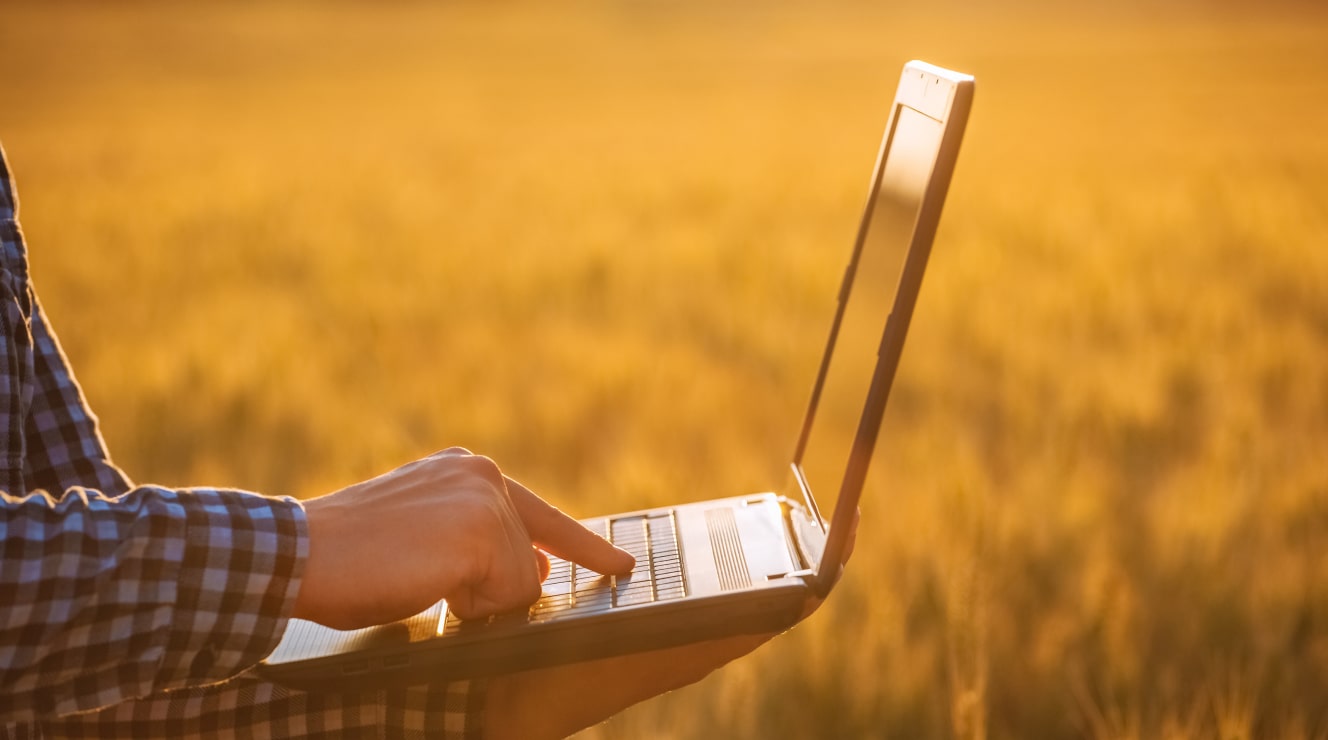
871	285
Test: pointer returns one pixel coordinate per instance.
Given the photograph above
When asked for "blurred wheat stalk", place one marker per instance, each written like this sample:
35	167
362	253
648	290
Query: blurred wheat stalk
288	246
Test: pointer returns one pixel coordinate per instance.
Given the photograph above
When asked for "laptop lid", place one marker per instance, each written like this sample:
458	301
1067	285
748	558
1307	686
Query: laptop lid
876	300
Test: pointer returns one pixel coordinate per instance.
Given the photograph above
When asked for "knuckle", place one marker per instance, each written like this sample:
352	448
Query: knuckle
484	468
451	452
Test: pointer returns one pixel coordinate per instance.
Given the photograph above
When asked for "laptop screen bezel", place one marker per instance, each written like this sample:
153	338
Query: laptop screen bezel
945	97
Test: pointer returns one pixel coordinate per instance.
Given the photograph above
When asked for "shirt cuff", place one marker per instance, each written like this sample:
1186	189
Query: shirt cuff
239	573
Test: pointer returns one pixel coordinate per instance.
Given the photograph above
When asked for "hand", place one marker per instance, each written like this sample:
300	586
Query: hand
450	526
556	702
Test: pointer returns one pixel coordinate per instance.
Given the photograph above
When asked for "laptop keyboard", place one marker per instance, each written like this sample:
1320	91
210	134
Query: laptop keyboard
652	540
572	590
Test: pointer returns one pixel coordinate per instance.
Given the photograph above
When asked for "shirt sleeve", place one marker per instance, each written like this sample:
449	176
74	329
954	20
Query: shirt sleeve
65	446
110	599
247	707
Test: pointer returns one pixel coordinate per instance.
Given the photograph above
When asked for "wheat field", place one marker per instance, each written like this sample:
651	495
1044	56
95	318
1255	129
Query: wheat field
291	245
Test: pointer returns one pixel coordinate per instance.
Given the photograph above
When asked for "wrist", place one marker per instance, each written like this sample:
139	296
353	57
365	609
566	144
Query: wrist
309	586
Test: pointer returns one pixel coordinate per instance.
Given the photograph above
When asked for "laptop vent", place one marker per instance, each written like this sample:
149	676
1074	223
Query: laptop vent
729	560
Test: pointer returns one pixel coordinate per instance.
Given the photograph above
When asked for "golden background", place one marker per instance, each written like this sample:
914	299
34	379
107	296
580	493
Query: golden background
292	245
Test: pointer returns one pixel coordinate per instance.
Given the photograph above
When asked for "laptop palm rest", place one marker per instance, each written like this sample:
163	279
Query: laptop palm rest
731	547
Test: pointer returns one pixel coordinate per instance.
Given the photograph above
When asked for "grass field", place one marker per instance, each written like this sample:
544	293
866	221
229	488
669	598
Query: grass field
288	246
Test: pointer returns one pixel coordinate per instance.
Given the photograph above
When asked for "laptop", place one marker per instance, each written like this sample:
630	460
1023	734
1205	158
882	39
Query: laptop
710	569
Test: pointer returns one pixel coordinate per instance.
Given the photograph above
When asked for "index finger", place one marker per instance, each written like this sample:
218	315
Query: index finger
565	537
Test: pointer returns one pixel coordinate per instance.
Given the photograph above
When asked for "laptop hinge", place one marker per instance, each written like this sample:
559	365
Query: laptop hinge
805	573
807	540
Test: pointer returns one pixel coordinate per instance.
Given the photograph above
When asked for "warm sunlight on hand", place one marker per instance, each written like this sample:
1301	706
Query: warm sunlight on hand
449	526
475	538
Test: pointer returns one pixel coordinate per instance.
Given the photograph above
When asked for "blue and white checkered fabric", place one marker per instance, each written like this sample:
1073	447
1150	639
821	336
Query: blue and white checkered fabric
136	611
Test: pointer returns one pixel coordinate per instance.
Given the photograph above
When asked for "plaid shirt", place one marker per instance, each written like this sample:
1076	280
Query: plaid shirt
136	611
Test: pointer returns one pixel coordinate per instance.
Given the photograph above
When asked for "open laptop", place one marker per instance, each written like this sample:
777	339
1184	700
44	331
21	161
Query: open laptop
741	565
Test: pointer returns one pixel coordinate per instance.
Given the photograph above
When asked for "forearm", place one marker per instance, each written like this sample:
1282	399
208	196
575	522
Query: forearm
110	599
